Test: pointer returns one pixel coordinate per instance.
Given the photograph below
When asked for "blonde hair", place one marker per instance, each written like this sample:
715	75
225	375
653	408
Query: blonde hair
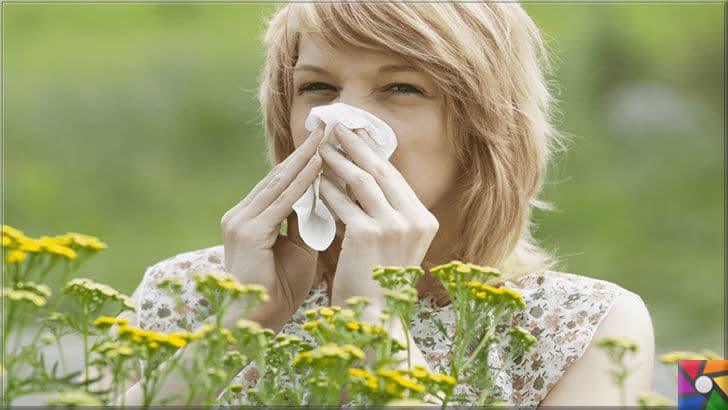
488	60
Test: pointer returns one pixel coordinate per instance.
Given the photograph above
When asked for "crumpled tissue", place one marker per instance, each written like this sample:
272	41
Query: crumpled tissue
316	224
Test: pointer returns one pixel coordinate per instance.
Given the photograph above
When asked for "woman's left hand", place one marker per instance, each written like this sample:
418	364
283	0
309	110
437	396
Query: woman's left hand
389	226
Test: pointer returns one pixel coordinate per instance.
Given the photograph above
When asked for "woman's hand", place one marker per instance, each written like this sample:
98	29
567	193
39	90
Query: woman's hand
389	226
255	252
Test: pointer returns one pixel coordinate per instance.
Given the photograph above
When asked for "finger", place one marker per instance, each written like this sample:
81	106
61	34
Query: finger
369	157
271	187
365	187
282	206
344	208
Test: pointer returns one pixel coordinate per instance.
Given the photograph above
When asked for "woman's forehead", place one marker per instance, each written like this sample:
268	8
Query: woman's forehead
314	49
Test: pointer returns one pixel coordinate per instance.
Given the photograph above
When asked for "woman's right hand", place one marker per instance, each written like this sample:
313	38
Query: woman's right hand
256	252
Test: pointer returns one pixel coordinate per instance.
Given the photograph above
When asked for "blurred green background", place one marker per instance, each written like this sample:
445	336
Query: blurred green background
139	124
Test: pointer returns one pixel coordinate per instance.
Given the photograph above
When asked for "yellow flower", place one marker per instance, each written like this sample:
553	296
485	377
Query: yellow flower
12	232
83	290
15	256
249	326
28	244
310	326
302	357
125	350
358	301
460	268
107	321
53	246
439	377
37	288
24	295
285	340
228	336
227	282
153	345
6	240
326	311
513	297
353	325
206	328
364	377
84	241
409	384
354	351
356	372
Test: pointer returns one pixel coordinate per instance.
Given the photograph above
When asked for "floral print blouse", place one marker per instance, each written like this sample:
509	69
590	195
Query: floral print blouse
563	312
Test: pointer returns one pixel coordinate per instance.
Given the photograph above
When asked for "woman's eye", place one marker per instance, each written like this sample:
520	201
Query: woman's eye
315	87
404	89
399	88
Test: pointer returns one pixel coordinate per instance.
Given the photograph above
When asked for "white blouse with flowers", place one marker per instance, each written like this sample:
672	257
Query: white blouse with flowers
563	312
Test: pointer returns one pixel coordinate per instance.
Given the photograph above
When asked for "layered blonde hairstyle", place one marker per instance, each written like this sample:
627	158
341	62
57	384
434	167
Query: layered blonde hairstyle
488	60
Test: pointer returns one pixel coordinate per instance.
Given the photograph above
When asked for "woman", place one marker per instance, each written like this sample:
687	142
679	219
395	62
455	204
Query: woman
462	86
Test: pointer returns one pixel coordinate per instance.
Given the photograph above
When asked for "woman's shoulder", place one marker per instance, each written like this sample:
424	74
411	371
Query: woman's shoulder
160	311
184	264
565	312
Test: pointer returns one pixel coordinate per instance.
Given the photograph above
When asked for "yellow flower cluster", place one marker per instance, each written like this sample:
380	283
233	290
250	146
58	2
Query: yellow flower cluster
62	245
85	290
397	382
365	378
491	295
392	277
75	239
252	328
105	322
327	319
113	349
229	284
288	340
24	295
327	354
421	373
466	271
37	288
154	340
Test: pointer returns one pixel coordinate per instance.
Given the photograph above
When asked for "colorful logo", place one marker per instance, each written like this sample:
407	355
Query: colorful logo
702	384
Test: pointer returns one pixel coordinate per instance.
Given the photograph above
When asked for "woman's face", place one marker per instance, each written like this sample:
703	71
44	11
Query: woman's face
380	83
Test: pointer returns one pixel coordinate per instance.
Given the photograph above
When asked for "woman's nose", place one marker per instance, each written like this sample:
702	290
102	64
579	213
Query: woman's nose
360	102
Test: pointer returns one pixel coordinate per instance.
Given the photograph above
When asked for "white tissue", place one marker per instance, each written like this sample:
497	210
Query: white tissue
316	224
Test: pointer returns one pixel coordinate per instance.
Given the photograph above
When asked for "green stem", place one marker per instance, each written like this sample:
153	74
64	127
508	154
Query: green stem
84	323
405	329
60	354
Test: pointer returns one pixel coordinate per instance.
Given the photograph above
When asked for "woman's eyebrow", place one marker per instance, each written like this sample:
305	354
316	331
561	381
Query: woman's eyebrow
392	68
